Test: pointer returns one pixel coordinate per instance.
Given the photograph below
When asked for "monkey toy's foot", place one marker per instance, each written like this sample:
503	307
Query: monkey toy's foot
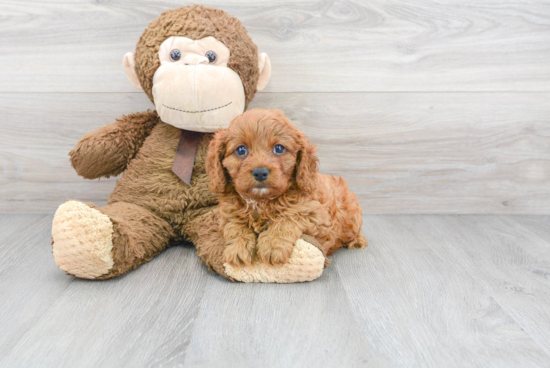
82	240
306	263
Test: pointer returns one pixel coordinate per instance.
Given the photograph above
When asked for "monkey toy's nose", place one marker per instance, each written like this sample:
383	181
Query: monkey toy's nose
260	174
192	59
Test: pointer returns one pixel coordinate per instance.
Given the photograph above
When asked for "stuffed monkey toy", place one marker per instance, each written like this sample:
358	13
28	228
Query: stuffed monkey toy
200	68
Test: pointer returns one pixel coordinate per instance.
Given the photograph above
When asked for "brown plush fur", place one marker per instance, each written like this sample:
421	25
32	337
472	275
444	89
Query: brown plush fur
150	206
197	22
266	218
108	150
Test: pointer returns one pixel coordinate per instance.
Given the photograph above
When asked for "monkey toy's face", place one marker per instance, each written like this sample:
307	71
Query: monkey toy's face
193	88
193	83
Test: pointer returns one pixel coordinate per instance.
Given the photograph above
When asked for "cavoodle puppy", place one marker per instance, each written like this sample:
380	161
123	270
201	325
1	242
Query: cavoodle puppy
271	192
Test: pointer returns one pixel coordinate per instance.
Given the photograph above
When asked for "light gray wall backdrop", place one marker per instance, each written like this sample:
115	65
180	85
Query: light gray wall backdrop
423	107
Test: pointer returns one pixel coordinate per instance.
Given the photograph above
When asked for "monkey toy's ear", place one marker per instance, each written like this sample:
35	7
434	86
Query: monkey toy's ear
265	70
129	62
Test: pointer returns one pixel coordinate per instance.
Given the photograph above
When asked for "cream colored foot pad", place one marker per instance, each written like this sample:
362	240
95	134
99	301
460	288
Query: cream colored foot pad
306	263
83	240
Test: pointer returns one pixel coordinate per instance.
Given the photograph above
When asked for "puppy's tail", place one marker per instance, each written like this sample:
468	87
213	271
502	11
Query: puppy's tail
351	216
359	242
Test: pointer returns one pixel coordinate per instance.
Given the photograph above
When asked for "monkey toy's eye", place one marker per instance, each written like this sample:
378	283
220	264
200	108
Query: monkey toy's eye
175	54
241	151
279	149
211	55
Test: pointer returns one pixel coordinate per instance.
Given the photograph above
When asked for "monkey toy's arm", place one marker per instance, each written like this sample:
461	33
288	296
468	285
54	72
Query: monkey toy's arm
108	150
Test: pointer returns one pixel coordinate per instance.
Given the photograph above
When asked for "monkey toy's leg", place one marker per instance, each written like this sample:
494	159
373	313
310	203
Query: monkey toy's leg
102	243
306	262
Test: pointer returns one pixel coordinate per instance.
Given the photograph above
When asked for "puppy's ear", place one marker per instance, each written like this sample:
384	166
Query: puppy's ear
214	168
306	164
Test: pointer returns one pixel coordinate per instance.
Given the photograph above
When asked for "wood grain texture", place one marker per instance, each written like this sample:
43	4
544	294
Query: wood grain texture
142	319
270	325
539	225
10	224
458	121
30	282
415	299
315	45
441	291
508	261
401	152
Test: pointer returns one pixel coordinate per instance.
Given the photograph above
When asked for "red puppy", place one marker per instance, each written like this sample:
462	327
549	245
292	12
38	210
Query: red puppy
271	191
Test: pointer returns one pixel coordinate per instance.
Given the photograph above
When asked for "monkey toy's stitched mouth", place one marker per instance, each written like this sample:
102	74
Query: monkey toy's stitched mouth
196	112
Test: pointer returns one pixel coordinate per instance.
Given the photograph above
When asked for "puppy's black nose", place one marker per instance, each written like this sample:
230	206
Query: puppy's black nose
260	174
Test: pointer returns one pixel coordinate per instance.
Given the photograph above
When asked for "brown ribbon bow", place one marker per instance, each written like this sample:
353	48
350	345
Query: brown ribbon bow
185	155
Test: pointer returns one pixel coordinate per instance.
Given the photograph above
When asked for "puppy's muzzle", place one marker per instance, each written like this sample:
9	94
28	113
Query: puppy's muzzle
260	173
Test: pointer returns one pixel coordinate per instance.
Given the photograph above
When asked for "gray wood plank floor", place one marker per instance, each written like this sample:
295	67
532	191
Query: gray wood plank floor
438	291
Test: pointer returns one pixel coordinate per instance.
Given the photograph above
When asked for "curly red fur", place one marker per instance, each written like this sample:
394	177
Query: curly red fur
213	163
265	218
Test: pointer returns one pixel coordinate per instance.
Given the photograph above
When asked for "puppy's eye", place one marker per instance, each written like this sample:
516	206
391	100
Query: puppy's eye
241	151
279	149
175	54
211	55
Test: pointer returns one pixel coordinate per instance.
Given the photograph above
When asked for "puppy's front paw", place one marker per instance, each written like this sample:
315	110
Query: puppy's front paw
274	251
239	253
